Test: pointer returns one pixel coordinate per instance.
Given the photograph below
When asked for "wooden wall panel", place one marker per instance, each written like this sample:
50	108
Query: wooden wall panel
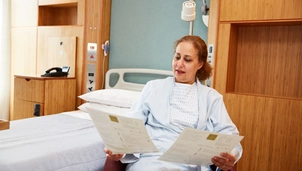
81	12
268	62
232	59
24	13
97	30
23	59
258	72
267	123
212	36
103	33
61	51
270	126
236	10
248	122
90	23
68	31
221	58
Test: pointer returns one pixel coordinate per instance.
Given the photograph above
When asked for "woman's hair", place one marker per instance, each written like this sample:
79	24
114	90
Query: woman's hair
205	71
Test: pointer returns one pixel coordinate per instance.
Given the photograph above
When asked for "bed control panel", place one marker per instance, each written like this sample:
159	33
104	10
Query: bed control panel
91	67
92	51
91	73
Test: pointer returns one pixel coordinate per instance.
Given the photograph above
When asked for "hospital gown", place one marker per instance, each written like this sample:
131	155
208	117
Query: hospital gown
153	108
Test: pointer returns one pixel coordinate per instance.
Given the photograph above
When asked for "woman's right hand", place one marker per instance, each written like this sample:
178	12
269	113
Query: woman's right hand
115	157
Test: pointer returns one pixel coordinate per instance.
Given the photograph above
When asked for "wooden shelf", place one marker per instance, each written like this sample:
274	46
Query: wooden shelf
264	96
265	59
58	14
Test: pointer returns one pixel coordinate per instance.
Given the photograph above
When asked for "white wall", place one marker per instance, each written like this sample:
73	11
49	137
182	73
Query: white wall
4	58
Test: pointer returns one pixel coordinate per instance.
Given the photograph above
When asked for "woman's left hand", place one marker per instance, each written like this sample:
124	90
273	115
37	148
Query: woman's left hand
225	162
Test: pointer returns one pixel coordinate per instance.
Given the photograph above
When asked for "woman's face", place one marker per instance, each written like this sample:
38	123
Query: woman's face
185	63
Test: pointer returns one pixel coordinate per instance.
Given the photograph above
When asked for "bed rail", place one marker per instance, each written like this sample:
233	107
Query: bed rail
122	84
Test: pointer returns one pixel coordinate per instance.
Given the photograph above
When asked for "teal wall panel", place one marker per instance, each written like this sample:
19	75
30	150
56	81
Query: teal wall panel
143	32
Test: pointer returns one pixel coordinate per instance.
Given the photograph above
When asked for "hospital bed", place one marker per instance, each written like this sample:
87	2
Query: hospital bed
69	140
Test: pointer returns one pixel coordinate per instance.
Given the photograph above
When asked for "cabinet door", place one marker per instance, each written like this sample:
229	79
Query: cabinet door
60	96
25	109
91	18
29	90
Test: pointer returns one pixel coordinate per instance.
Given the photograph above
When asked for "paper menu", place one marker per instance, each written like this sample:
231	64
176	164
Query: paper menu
198	147
125	135
122	135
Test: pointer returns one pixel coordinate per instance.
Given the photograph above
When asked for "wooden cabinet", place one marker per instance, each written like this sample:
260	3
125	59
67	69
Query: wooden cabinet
258	71
239	10
55	33
52	94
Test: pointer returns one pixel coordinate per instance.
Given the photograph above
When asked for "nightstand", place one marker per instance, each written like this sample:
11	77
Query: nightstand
40	96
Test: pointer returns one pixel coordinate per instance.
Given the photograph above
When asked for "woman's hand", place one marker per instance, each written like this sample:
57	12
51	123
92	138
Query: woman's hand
115	157
225	162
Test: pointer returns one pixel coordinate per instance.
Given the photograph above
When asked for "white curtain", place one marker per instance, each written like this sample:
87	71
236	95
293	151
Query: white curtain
4	58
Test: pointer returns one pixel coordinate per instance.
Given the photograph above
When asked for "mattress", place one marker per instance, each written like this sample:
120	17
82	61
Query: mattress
62	142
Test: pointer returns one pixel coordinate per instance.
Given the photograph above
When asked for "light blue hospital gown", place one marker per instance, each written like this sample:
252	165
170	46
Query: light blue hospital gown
160	107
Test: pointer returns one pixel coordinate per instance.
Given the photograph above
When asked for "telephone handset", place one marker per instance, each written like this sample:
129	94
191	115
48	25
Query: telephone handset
57	72
57	69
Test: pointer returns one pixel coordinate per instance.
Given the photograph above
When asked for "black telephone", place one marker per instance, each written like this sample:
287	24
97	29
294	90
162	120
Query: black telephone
57	72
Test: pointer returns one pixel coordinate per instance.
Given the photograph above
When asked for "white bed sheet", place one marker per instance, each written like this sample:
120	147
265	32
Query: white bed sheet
62	142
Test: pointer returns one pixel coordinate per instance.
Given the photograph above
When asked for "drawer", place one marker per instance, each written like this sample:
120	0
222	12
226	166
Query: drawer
25	109
29	89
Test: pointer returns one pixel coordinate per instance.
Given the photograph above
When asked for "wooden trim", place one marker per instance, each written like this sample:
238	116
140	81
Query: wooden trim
213	33
264	22
4	124
232	59
238	10
97	30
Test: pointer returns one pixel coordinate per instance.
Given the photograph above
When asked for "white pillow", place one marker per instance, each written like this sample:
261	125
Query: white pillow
110	109
114	97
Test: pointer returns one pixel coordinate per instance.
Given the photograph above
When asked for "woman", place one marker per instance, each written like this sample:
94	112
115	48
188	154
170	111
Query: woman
167	106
